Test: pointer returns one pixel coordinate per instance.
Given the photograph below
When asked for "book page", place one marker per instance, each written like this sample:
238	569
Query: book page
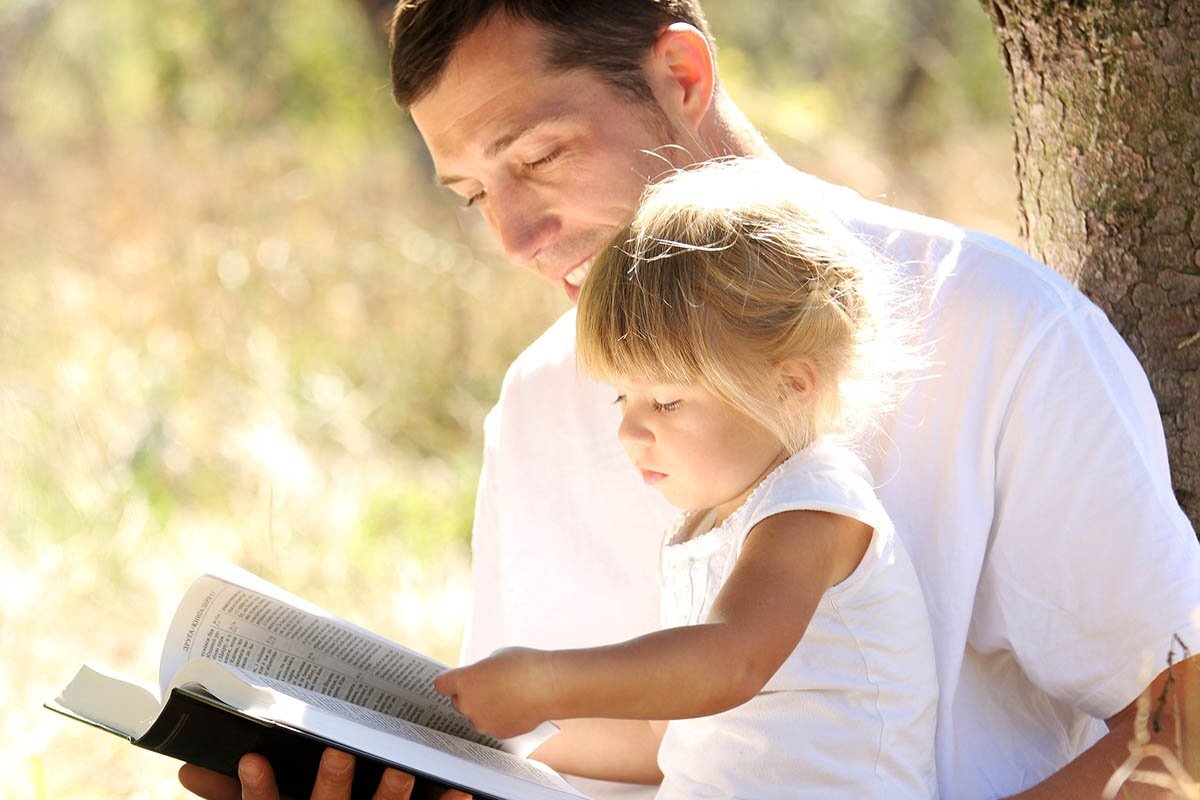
239	619
108	700
375	733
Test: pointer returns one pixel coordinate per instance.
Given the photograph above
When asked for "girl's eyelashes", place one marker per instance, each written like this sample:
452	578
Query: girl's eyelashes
659	408
475	198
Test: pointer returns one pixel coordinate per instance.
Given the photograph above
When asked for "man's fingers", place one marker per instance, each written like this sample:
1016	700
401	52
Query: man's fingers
334	776
395	785
429	791
208	784
255	781
258	781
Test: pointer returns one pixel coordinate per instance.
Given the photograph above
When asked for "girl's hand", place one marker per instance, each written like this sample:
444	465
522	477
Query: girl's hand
506	694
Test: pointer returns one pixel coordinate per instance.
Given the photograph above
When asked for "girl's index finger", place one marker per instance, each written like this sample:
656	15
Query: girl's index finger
446	683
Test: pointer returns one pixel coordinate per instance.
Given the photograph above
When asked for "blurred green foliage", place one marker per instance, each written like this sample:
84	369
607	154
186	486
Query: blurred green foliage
319	66
222	67
923	66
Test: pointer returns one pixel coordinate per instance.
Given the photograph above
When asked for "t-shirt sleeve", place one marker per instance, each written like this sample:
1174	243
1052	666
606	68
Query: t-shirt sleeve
484	627
1092	566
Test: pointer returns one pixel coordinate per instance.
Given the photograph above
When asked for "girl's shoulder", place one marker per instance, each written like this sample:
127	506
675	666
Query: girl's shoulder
823	477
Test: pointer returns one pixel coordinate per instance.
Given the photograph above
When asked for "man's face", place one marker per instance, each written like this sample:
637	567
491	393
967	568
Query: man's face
554	161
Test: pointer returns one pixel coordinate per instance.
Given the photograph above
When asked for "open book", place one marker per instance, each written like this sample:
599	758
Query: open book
247	667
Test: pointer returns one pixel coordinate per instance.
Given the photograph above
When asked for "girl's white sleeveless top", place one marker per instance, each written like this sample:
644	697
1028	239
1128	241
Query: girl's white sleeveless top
851	713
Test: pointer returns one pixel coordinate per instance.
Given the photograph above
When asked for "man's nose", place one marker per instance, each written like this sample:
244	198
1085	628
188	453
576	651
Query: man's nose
524	227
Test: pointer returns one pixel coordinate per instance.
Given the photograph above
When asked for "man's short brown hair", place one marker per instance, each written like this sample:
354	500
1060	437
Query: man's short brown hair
609	37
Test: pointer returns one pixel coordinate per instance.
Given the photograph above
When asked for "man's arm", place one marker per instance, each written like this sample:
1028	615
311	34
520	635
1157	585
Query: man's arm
1086	776
334	777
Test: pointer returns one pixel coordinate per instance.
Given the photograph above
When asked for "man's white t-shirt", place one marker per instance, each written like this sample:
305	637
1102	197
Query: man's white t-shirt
1026	471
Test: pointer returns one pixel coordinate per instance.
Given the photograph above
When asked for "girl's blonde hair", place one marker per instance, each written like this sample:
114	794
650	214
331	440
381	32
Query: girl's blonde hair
727	270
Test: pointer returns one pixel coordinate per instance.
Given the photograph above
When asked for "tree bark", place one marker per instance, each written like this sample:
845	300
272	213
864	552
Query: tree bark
1106	116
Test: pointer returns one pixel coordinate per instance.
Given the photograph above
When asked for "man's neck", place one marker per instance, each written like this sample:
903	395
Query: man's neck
729	133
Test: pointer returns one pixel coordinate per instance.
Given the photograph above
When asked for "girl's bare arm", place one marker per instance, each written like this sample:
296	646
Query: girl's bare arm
788	562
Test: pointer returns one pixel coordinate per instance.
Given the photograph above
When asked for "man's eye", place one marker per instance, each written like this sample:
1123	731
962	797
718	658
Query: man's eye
543	161
666	408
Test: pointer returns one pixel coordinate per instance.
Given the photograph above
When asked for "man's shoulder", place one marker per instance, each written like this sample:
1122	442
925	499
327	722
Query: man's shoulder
543	390
955	262
550	357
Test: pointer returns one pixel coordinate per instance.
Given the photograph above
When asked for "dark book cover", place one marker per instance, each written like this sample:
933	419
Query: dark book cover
199	729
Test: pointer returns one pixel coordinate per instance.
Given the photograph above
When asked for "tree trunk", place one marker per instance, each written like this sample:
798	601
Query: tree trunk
1106	115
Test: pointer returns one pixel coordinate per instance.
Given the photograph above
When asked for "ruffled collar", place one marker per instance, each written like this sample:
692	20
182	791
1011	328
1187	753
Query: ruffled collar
694	519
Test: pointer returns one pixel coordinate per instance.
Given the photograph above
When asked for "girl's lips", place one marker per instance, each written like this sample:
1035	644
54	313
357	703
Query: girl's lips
651	477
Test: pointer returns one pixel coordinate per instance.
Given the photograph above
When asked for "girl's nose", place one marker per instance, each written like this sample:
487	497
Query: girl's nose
633	432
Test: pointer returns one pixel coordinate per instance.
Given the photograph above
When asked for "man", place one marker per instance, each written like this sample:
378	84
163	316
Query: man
1026	470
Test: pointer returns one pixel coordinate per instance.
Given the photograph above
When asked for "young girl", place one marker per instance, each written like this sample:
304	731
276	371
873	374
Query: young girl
743	333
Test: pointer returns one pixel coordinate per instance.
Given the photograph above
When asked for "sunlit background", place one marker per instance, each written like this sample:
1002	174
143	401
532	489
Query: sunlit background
236	319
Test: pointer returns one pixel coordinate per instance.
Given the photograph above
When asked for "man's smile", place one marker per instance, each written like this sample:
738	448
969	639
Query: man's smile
573	280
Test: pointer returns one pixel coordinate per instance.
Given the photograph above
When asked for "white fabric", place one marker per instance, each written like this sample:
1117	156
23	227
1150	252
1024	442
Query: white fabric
851	712
1026	472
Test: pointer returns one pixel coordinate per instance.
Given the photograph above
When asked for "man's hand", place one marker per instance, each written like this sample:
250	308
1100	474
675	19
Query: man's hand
1086	777
506	694
255	781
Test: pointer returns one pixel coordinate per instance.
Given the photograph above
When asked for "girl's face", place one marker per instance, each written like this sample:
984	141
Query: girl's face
691	446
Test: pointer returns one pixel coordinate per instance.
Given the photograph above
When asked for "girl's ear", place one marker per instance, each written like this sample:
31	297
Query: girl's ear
798	380
681	74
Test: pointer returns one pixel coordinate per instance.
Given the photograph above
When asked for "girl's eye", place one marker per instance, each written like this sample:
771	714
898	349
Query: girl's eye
620	400
666	408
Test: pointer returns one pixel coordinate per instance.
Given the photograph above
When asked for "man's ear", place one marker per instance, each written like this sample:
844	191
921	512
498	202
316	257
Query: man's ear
680	72
798	380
